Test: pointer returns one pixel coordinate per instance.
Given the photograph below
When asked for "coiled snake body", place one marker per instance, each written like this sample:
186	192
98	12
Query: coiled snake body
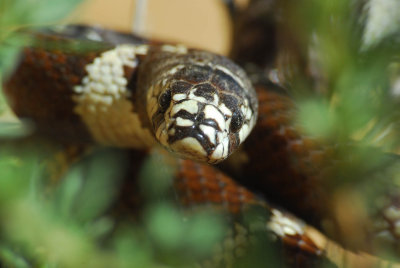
197	104
126	92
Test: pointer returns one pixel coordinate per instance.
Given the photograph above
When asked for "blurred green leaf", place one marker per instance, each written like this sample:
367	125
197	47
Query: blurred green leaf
89	187
204	232
14	129
156	175
34	12
49	11
317	118
11	259
17	170
165	225
133	250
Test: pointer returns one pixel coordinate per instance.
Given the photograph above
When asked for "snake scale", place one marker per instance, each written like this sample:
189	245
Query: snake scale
126	91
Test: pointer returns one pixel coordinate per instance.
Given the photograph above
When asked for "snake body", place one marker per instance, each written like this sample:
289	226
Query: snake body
197	104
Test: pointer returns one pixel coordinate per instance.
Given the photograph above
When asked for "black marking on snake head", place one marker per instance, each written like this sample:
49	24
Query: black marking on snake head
164	101
180	87
194	131
225	82
198	118
194	74
237	121
206	91
201	120
230	101
211	123
185	115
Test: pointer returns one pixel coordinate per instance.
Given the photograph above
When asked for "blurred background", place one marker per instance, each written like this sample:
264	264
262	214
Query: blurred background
198	23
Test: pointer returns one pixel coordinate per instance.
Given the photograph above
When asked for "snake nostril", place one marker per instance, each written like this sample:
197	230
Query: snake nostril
236	122
164	100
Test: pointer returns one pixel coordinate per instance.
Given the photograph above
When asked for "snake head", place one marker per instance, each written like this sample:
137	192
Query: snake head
202	106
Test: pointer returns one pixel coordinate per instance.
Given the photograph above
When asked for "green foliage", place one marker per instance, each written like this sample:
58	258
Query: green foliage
90	186
19	14
355	79
347	99
68	224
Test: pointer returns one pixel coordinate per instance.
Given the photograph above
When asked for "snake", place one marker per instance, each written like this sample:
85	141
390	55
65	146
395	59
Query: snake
197	104
127	92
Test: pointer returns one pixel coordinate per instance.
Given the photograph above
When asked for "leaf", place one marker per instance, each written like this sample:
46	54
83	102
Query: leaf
90	186
14	129
165	225
50	11
35	12
316	118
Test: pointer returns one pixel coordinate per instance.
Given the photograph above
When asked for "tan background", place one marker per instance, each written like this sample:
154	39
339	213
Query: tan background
198	23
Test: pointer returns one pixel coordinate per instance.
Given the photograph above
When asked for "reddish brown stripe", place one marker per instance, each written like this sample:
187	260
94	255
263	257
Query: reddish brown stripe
199	184
41	89
283	164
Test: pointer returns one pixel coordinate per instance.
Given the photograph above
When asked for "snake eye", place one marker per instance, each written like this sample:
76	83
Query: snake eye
236	122
164	100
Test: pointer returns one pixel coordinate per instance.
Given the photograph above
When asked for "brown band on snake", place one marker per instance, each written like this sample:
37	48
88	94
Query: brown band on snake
255	34
286	172
47	77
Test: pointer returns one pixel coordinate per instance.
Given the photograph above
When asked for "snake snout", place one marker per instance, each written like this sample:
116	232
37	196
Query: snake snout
196	130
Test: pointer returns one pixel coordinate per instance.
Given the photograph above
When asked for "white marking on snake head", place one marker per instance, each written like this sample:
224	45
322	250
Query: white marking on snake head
189	105
225	110
229	73
189	148
244	132
181	122
211	112
178	97
219	151
192	96
172	71
210	132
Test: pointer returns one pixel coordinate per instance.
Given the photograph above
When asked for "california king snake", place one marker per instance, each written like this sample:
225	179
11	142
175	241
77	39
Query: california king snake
196	104
121	94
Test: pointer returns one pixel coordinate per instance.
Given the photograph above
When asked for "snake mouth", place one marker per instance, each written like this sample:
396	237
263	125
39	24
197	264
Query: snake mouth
195	130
